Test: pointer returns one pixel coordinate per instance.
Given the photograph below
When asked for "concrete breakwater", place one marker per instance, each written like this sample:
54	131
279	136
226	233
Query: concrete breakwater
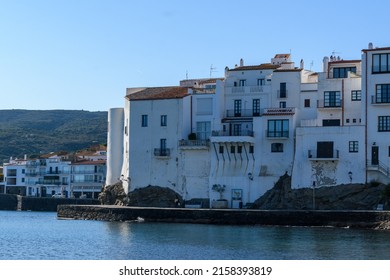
353	219
26	203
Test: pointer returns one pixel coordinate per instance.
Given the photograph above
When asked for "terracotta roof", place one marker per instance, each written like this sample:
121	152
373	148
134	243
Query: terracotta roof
289	70
264	66
282	55
89	162
376	49
157	93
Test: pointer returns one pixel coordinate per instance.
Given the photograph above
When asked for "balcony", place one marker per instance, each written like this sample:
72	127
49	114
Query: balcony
332	104
277	134
242	113
279	111
242	136
194	144
377	100
329	155
248	89
162	153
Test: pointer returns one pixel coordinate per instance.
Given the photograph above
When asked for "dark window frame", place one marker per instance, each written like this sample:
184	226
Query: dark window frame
382	93
144	121
383	123
356	95
380	63
277	148
353	146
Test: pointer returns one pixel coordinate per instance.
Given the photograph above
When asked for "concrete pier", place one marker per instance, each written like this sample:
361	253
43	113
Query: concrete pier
353	219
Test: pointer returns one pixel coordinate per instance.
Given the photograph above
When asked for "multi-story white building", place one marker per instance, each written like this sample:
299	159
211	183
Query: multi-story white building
233	137
376	99
57	174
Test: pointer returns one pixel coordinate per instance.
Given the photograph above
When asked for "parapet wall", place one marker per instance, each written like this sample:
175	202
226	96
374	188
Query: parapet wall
362	219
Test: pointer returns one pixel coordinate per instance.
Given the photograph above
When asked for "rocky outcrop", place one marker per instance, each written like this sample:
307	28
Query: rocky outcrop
150	196
341	197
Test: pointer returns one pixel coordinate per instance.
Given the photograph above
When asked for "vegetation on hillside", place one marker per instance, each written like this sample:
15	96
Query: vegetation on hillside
33	132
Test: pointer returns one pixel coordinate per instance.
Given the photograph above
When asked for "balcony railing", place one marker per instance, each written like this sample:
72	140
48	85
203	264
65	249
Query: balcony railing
277	134
248	89
333	104
331	155
279	111
236	133
242	113
162	152
385	100
194	143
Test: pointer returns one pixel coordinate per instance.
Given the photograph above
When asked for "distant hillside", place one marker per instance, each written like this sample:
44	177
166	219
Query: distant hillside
33	132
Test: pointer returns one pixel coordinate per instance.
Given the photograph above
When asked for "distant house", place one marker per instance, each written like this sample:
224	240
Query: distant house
258	122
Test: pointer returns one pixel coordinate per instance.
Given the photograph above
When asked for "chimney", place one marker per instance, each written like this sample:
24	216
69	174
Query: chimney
241	62
302	64
325	64
370	46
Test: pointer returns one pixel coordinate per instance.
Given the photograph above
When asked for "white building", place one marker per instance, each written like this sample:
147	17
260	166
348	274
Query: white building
376	99
242	132
14	176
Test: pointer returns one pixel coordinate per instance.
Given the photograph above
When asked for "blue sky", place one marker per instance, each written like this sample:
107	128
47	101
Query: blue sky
83	54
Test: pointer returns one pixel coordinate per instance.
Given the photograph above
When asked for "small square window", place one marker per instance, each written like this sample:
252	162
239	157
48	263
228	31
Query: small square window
233	149
239	149
354	120
307	103
353	146
220	149
277	147
251	149
347	120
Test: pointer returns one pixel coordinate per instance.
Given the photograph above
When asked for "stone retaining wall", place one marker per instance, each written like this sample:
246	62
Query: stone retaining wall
10	202
362	219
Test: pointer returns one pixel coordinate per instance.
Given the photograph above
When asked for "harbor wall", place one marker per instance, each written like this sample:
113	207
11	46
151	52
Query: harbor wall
26	203
356	219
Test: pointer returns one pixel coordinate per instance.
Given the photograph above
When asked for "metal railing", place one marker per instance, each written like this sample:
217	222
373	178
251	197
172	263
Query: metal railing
381	167
194	143
313	154
329	104
233	133
162	152
277	134
242	113
380	100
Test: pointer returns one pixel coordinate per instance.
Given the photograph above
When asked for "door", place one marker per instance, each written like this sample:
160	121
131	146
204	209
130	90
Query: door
237	108
324	149
374	155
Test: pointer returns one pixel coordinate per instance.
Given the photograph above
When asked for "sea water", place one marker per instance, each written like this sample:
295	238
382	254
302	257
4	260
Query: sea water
41	236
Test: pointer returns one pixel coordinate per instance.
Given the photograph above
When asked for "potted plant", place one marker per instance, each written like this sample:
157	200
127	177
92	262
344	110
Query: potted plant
220	203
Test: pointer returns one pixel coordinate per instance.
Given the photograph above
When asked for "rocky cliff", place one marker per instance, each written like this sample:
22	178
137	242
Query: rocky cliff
341	197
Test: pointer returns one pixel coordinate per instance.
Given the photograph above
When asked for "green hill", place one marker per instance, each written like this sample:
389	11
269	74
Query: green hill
34	132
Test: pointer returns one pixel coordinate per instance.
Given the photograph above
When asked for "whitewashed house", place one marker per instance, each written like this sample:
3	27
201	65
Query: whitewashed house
376	99
14	176
232	138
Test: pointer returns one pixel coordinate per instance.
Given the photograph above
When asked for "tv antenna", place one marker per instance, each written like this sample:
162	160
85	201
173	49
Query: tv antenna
212	69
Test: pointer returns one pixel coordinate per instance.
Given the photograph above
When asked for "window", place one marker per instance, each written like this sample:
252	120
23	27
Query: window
220	149
382	93
239	149
251	149
256	107
356	95
233	149
237	108
277	147
163	120
332	99
203	130
347	120
242	83
353	146
331	122
236	129
260	82
163	147
278	128
282	90
282	104
381	63
354	120
307	103
325	150
342	72
144	120
383	123
389	151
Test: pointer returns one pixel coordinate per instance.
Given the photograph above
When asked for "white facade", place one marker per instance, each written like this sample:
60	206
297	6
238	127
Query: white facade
242	132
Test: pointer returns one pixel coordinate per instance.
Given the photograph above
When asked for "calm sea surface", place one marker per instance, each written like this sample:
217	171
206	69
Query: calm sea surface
41	236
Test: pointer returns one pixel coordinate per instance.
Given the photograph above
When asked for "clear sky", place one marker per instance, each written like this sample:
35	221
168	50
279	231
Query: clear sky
83	54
